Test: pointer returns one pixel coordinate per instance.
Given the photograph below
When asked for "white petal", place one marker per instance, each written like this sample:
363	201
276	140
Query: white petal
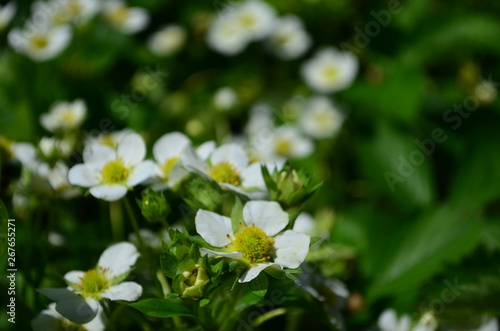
98	323
205	149
214	228
170	145
388	320
191	160
126	291
304	223
71	305
25	153
267	215
252	176
212	253
291	248
233	188
81	175
96	156
109	192
131	148
232	153
404	323
141	172
118	258
255	270
74	277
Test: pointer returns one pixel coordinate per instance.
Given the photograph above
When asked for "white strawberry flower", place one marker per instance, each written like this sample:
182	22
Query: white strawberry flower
260	243
128	20
283	142
80	301
64	116
330	70
168	152
41	44
110	172
240	23
289	40
50	319
168	40
228	165
321	118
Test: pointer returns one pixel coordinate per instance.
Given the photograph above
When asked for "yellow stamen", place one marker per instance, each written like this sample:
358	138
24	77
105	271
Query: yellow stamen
115	172
225	172
254	243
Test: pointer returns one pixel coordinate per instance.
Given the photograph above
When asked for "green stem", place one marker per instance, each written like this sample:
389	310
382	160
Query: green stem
166	290
134	222
116	218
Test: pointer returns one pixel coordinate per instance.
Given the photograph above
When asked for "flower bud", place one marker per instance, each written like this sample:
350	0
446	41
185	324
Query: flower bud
154	206
191	282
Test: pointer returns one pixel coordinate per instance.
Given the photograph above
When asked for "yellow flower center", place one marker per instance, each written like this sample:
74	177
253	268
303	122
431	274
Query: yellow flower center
67	116
248	20
225	172
254	243
283	146
108	140
331	72
74	8
115	172
94	282
168	165
118	16
39	41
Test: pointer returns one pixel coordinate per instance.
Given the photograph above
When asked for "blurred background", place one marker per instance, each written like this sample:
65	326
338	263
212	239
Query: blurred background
409	211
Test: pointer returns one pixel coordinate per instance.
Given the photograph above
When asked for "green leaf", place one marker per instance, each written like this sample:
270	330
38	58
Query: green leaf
398	167
161	308
204	302
237	215
169	264
259	285
442	236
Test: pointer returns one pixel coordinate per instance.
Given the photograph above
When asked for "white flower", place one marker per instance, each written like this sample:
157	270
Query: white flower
260	242
128	20
238	24
64	116
40	44
289	40
226	36
321	118
168	40
389	321
169	151
285	141
256	18
330	70
57	12
80	301
109	173
6	14
50	319
225	98
57	176
227	165
304	223
53	148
